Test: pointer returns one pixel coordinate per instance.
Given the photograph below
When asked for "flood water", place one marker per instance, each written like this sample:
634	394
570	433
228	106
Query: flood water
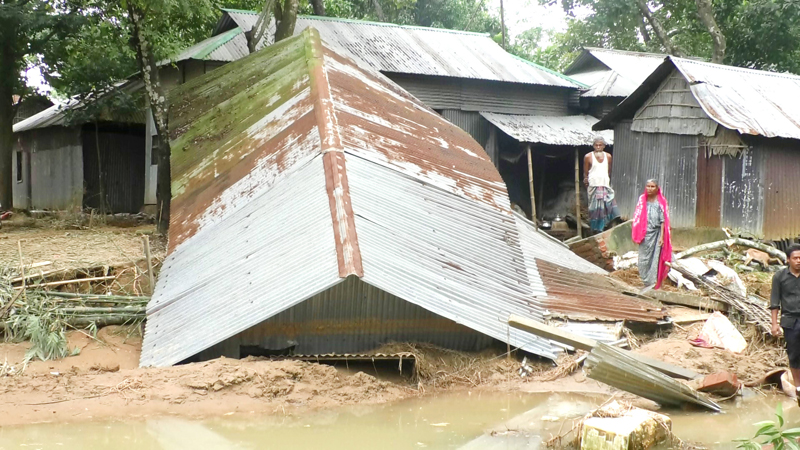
456	421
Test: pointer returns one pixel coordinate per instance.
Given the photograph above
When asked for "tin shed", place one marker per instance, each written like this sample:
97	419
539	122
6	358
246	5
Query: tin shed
724	142
323	208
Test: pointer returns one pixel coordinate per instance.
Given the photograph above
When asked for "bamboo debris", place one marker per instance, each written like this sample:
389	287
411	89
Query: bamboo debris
93	297
772	251
77	280
750	310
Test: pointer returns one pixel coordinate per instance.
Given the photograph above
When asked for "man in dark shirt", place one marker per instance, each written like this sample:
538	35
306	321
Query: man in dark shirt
786	298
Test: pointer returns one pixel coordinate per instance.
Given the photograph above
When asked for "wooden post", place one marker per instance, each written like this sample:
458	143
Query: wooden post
578	193
530	183
150	276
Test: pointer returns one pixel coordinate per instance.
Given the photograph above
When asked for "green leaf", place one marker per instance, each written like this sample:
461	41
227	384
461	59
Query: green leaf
792	444
767	430
779	414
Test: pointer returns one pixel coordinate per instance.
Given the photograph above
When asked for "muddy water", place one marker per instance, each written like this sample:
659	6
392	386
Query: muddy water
463	421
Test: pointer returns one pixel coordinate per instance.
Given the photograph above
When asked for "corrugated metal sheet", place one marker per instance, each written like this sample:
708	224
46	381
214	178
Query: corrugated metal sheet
588	296
472	95
709	189
539	245
54	115
247	268
612	73
751	101
55	178
462	261
226	47
673	109
471	122
742	195
425	51
670	159
781	160
560	130
355	317
312	168
122	155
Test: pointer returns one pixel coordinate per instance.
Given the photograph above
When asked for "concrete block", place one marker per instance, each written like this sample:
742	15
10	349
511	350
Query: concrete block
720	383
636	429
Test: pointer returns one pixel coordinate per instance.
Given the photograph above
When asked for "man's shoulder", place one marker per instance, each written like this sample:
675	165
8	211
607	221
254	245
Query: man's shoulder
781	273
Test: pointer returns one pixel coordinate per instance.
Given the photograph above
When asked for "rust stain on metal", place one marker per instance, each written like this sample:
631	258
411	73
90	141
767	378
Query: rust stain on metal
584	296
344	226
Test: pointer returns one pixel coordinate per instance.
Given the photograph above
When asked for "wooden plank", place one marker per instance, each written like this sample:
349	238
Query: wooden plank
587	344
691	301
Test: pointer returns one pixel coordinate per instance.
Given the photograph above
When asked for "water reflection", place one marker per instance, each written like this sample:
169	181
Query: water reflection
467	421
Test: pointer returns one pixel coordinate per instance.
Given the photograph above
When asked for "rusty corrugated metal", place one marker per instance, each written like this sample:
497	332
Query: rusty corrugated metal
742	195
294	168
750	101
416	50
552	130
583	296
781	163
671	159
709	189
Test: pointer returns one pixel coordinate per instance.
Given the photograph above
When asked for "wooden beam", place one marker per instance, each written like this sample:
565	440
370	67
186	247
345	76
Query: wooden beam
578	220
530	183
691	301
583	343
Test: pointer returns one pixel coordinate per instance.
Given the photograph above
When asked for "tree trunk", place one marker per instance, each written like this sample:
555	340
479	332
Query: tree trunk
158	104
286	17
643	31
378	10
7	78
259	30
659	30
318	6
706	13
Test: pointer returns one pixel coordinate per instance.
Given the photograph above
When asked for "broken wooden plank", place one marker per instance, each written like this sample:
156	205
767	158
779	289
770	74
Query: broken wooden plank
692	301
587	344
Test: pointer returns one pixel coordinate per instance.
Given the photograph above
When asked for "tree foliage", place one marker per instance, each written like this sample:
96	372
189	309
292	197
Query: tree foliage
760	34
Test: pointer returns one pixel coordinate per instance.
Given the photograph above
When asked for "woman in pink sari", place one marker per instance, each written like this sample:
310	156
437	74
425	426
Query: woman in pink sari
651	231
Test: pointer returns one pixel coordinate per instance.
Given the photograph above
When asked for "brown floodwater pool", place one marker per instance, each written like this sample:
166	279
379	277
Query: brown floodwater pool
484	420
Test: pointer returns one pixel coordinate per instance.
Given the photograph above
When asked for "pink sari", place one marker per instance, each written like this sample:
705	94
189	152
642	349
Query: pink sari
639	231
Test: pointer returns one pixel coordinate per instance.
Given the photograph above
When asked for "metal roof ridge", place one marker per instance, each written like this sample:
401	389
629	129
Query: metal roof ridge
551	71
678	61
224	38
366	22
344	226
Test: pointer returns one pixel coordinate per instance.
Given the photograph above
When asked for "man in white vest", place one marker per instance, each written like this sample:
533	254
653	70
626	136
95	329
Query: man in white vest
597	178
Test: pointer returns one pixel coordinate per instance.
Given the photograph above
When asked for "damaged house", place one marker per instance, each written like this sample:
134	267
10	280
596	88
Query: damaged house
321	208
723	142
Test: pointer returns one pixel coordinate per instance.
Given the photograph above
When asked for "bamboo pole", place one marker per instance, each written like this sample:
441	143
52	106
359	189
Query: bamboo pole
530	183
78	280
150	276
22	268
578	194
91	297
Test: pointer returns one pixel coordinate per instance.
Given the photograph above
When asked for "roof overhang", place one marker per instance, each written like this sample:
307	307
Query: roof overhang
550	130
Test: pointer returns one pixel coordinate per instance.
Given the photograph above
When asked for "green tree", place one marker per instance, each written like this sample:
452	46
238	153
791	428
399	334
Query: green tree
761	34
28	30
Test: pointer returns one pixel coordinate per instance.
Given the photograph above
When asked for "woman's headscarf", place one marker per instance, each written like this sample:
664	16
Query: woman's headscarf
639	230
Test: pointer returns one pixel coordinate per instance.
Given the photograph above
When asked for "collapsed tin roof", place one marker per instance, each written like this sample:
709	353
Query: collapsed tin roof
293	169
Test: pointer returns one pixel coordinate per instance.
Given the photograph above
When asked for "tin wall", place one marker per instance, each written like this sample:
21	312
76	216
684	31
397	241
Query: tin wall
742	193
54	178
122	153
670	159
475	95
781	164
355	317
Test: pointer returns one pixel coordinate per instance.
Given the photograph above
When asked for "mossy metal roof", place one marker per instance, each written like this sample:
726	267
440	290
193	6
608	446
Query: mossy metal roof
295	168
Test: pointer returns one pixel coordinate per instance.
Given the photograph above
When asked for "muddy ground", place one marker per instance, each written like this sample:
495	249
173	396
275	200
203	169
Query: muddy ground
103	381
